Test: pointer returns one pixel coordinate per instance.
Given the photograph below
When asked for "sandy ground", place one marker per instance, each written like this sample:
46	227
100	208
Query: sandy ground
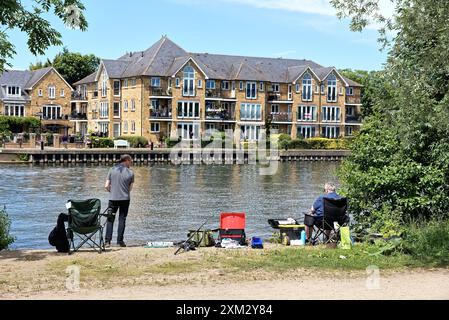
42	275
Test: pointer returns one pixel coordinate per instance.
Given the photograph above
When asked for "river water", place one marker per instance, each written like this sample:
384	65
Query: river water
167	200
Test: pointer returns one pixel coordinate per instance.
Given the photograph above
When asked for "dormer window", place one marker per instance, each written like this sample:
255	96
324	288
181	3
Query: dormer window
189	82
332	88
14	91
307	87
155	82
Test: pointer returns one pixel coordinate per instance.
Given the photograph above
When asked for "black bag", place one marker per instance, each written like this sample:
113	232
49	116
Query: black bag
58	236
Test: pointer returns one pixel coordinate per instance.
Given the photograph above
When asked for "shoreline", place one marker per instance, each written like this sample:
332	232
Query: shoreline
140	273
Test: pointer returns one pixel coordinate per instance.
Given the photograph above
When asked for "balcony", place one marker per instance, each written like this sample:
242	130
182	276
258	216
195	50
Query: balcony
79	96
219	115
161	114
78	116
160	92
353	100
213	93
353	119
281	117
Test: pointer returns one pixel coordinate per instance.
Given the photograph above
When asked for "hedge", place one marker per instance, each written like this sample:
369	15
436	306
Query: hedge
135	142
102	142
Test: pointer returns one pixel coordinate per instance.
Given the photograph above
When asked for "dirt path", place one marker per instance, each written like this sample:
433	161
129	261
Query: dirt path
147	274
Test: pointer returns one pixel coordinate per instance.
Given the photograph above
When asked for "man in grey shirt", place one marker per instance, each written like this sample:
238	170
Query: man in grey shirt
119	184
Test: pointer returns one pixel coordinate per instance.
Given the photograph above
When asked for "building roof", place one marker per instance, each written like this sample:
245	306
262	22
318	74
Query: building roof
165	58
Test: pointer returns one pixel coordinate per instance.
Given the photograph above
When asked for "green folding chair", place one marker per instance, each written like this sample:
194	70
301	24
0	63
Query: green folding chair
84	222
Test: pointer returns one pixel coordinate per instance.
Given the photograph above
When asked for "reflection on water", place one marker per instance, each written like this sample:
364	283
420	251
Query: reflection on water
166	201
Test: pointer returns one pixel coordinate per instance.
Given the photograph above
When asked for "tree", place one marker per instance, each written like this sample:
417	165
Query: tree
399	168
75	66
41	35
39	65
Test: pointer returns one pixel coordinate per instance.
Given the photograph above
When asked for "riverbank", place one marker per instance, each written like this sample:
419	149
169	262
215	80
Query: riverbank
145	156
209	273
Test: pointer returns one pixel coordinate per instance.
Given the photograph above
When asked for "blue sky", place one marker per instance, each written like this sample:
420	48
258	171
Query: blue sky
303	29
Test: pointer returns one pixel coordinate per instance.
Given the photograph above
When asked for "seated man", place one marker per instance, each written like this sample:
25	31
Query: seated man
315	216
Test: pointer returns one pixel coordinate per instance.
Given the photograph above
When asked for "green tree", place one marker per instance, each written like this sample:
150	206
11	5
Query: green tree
39	65
75	66
399	167
5	223
41	35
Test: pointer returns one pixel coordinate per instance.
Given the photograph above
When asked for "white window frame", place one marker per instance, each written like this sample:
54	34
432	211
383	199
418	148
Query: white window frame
189	109
225	85
125	126
62	93
200	83
331	114
133	105
250	132
119	110
331	132
155	82
251	111
274	109
13	91
14	110
210	84
133	82
51	112
251	90
104	109
125	83
186	128
349	131
104	86
290	92
125	105
40	93
52	92
114	126
241	86
349	91
261	87
188	81
155	125
307	90
307	114
275	87
133	126
119	87
332	88
306	131
177	83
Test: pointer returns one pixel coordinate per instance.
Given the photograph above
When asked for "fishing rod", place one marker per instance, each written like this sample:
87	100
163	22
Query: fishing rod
185	245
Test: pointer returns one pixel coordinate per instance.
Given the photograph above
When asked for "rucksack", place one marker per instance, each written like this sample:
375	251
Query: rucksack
58	236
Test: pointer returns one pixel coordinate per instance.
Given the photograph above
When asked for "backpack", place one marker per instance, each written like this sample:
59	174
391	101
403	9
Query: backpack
58	236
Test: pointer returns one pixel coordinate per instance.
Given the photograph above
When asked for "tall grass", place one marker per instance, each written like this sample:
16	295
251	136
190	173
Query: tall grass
428	242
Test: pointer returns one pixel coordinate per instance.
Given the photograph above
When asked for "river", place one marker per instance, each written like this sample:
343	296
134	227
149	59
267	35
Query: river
167	200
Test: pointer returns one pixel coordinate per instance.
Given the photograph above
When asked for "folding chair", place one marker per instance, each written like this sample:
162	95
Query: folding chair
232	226
84	221
335	211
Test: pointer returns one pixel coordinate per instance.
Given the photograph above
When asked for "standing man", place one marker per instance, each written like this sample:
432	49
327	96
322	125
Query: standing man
119	184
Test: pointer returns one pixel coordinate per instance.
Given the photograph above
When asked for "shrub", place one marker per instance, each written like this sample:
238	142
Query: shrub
102	142
135	142
429	242
5	224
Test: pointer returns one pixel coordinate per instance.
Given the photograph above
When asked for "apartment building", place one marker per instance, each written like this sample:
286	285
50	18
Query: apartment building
165	91
43	94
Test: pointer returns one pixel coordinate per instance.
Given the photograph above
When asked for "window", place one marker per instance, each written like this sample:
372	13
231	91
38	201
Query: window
189	82
350	111
188	131
307	87
307	113
275	87
340	90
125	83
104	86
349	131
225	85
52	92
40	93
133	82
210	84
332	88
133	126
251	90
330	132
125	106
155	127
62	93
125	127
306	131
241	85
261	86
233	85
169	82
317	89
116	109
14	91
133	105
51	112
84	93
250	133
350	91
117	88
177	83
15	110
116	130
155	82
200	83
188	109
330	114
104	109
104	128
274	109
250	111
298	88
290	95
322	89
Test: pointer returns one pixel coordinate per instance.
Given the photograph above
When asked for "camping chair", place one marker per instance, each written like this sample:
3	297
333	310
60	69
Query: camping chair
84	221
232	226
325	230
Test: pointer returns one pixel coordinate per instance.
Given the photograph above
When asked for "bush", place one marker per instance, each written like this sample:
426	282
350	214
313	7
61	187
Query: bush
5	224
135	142
429	242
102	142
18	124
